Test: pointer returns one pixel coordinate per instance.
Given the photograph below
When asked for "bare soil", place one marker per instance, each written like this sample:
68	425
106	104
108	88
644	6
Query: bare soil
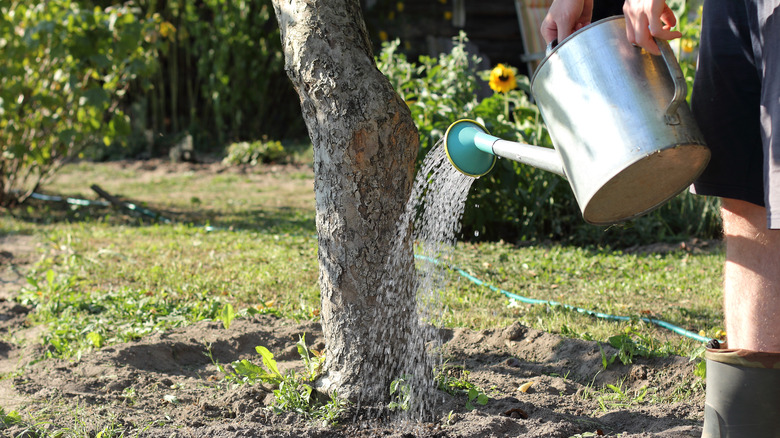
178	391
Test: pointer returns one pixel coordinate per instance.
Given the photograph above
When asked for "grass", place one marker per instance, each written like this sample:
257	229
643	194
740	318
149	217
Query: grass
262	255
677	287
103	275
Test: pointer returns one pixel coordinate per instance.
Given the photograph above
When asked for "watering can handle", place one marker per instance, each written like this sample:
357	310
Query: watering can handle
550	46
680	87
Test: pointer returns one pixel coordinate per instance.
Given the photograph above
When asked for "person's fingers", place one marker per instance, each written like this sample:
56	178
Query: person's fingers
565	17
661	27
629	15
564	32
549	29
643	37
667	16
630	32
643	26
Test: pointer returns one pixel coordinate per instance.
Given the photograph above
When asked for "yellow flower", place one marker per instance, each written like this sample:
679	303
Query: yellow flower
399	6
383	35
687	45
167	29
502	79
448	15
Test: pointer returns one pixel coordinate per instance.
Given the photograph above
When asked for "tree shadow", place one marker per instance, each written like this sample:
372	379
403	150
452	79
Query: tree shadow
56	209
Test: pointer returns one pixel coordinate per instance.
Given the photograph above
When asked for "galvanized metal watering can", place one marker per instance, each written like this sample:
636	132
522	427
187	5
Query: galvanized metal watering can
623	134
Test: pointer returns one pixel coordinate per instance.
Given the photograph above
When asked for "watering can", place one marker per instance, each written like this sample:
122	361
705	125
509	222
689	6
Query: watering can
622	132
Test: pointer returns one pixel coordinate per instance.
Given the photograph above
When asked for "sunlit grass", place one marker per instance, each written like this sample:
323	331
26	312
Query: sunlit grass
261	255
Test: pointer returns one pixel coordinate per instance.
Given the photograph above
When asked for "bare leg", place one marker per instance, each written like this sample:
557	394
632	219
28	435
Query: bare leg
751	278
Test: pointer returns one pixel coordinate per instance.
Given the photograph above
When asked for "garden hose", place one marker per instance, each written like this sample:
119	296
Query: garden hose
679	330
522	299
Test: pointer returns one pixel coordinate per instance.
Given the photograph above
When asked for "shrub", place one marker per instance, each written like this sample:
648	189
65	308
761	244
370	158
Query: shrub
254	153
65	67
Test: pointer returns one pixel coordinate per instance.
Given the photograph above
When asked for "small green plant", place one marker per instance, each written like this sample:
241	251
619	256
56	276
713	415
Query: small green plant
293	391
454	380
226	315
9	419
616	396
313	360
631	344
130	395
700	366
254	153
400	394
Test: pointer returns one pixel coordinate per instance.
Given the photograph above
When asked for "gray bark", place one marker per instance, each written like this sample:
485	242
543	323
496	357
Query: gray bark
365	143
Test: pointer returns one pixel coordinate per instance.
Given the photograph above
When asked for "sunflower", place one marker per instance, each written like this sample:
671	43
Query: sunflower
502	79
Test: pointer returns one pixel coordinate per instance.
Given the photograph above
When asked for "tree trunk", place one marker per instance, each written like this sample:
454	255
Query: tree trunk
365	143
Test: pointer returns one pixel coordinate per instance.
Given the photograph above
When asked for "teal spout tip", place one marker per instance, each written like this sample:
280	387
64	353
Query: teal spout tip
462	143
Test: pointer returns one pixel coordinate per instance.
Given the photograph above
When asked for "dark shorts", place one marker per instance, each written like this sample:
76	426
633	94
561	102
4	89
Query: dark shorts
735	101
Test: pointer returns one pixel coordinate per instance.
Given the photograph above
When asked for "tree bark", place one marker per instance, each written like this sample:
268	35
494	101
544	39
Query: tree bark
365	144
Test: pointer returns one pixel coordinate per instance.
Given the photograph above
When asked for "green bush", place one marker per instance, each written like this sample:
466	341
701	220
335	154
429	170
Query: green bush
221	79
64	69
254	153
516	202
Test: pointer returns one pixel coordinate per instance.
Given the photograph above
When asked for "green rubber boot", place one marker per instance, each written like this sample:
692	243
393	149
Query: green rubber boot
743	394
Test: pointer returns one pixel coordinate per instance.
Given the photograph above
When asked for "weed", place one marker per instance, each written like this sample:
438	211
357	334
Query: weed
293	391
9	419
313	360
400	394
255	152
226	315
454	380
616	396
129	394
697	356
631	344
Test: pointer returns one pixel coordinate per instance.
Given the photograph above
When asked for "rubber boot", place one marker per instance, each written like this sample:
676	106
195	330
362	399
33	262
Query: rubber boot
743	394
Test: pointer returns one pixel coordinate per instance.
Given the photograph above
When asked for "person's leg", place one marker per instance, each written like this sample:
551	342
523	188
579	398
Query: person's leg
743	381
751	278
735	97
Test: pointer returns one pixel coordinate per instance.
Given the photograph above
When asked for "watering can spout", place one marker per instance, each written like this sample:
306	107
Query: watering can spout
472	151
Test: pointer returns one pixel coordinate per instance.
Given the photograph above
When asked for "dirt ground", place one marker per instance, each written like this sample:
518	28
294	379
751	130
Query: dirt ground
177	391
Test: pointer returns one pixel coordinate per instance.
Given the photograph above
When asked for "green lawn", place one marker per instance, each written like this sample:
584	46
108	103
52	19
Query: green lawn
247	238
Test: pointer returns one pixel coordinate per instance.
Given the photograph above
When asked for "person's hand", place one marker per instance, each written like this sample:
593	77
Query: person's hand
565	17
646	19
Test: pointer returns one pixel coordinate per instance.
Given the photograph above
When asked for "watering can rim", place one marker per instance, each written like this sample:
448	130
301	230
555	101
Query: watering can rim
553	46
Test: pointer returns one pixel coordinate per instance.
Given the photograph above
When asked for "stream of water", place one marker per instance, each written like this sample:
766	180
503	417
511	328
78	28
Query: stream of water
434	212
